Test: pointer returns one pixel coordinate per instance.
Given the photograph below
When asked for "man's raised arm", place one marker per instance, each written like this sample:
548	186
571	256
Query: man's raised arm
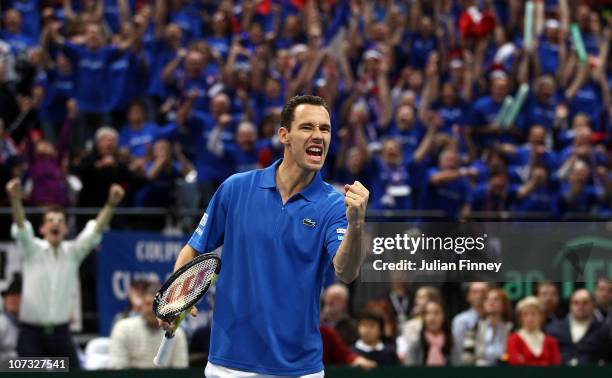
351	252
13	189
115	195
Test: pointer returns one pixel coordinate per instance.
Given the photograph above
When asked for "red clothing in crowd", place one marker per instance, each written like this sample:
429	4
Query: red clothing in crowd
334	350
519	353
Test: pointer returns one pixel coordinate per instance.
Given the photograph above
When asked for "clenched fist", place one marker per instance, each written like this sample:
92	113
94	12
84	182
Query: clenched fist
115	194
13	188
356	201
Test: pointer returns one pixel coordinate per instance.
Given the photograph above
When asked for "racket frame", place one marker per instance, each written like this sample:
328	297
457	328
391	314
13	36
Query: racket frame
175	276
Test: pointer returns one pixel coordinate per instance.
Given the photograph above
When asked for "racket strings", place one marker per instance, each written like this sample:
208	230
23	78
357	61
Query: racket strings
187	288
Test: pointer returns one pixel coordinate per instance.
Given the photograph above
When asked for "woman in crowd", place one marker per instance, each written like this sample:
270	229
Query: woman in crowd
529	345
411	328
434	346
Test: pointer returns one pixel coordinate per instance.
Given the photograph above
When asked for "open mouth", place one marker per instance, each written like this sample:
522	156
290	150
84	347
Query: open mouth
314	151
55	232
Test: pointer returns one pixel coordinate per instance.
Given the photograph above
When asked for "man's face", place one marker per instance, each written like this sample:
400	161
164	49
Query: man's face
12	21
581	305
579	175
334	303
545	91
220	104
498	184
194	63
603	293
136	115
499	88
449	160
93	37
391	153
307	142
549	297
173	34
405	117
245	138
106	144
537	136
476	294
54	228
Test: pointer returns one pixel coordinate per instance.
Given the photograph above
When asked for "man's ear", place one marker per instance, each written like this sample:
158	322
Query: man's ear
283	136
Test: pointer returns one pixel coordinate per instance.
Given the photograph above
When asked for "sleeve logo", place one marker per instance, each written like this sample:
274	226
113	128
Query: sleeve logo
203	220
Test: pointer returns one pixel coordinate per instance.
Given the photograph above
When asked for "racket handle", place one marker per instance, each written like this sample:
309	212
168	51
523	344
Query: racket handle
164	349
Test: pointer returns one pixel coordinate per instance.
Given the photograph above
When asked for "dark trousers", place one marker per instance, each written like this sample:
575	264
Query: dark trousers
39	341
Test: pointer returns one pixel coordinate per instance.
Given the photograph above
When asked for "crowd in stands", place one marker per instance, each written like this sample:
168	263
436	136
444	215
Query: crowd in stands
416	327
169	98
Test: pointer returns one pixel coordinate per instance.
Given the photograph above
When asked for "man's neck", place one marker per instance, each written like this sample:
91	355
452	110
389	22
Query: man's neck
291	179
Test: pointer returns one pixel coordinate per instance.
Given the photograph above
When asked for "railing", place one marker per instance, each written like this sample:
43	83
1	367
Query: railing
372	215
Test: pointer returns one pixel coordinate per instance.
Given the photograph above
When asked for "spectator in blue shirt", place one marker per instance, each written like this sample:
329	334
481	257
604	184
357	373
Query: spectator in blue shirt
549	51
496	195
537	194
451	108
56	86
242	153
532	152
292	33
138	135
485	110
161	172
391	181
13	34
407	130
576	194
541	108
589	92
30	11
448	186
189	73
91	69
163	50
219	40
582	148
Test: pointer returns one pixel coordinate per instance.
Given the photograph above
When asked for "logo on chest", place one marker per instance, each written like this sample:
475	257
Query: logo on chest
309	223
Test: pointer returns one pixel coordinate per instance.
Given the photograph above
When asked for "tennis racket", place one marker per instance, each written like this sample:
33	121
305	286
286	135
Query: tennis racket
181	291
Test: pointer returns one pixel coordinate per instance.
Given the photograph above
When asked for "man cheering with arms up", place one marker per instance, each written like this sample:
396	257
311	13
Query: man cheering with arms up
281	228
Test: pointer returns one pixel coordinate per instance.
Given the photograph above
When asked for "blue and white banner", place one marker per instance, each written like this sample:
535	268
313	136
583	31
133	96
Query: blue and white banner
127	256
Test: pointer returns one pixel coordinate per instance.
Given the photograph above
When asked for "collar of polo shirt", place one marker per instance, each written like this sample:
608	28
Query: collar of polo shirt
311	193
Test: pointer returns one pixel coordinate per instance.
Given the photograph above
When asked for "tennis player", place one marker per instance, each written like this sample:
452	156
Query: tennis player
281	229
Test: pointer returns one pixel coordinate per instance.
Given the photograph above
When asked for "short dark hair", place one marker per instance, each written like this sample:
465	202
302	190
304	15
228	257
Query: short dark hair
374	316
288	112
138	102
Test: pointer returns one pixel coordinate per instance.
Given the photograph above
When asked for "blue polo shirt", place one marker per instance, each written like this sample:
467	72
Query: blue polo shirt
266	317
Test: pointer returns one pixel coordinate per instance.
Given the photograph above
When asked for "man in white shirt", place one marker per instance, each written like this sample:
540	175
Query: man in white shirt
135	340
50	274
